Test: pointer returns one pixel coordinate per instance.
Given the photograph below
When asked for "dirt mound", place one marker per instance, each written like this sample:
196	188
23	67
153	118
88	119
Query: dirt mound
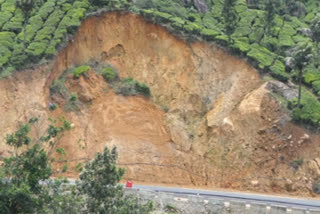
222	128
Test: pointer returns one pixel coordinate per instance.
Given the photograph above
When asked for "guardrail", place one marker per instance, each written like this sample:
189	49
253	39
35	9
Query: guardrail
193	204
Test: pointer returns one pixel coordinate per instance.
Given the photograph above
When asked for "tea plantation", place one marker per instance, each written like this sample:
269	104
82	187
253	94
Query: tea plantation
53	21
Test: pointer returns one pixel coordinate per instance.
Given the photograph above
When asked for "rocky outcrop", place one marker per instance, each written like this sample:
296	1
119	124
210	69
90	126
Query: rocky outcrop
280	88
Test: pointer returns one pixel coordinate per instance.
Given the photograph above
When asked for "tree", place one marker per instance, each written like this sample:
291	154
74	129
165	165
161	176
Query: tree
272	8
99	3
26	6
315	34
26	187
295	7
20	188
99	183
301	56
254	4
230	17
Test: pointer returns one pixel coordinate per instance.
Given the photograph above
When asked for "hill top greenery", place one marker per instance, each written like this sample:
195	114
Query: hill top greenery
251	32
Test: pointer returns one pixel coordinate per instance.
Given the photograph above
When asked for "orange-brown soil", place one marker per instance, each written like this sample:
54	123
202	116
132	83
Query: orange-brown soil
222	128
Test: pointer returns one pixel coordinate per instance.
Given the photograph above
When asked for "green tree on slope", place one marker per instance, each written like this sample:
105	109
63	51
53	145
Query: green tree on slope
20	189
99	183
230	16
302	55
315	30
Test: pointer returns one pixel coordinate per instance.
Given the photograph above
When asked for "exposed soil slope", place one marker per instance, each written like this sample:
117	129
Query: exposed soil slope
222	128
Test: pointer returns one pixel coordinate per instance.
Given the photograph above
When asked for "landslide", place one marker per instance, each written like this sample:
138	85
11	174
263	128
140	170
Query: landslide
221	127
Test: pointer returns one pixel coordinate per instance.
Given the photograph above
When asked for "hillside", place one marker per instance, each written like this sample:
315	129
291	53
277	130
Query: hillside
53	22
210	121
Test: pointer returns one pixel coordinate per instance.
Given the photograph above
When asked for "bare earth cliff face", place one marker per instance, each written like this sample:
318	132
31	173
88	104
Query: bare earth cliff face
222	128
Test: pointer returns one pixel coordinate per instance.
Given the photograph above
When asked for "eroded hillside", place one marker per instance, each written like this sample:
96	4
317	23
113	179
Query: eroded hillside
222	128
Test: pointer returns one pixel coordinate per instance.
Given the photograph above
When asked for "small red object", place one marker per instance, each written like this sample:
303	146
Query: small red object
129	184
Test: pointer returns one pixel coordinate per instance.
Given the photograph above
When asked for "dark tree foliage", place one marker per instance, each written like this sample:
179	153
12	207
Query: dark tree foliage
99	183
26	187
20	189
295	8
230	17
26	6
315	30
302	55
271	8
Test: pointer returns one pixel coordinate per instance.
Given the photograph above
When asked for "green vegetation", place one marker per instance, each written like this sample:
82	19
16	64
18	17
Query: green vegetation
99	184
295	164
230	17
110	74
301	56
81	70
131	87
73	103
316	187
263	31
308	113
30	164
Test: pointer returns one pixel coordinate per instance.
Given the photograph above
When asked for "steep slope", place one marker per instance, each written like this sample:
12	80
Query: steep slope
222	128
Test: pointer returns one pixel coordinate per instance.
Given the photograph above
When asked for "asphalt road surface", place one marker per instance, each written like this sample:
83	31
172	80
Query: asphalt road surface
238	196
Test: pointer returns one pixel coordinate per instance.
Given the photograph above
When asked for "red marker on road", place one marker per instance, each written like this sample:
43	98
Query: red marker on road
129	184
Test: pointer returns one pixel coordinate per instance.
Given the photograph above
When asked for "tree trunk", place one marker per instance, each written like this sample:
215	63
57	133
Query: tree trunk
318	53
300	83
24	34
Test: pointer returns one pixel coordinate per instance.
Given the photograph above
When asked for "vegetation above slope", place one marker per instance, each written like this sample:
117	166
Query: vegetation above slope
53	21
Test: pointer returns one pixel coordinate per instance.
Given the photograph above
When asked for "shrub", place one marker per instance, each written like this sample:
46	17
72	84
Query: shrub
309	113
6	72
32	28
209	34
36	49
131	87
81	4
6	39
15	24
78	71
54	18
278	71
161	17
73	103
295	164
261	55
126	87
311	76
52	106
46	9
98	2
240	46
58	87
73	97
143	89
45	33
5	54
192	27
110	74
4	17
316	187
316	86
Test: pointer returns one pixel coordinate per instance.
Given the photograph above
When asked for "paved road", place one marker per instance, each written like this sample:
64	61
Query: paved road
247	197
